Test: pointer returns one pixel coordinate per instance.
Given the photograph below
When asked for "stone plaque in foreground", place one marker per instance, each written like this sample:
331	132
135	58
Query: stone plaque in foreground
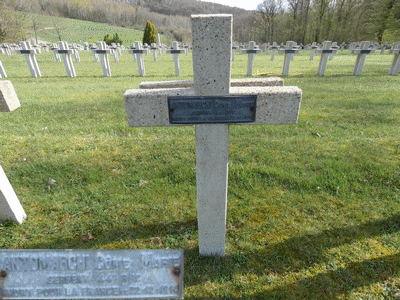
91	274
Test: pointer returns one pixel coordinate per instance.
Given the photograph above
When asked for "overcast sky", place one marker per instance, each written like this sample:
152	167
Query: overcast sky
246	4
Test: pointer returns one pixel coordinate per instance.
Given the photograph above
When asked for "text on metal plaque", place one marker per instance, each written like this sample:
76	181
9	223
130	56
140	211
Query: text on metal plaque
91	274
212	109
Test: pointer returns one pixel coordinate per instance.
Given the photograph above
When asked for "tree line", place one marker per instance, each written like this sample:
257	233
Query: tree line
307	21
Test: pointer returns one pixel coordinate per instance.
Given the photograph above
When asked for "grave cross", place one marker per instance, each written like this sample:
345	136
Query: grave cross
66	53
10	207
176	51
314	47
362	53
93	48
274	47
334	47
289	52
154	49
30	58
325	52
115	52
6	49
251	51
105	63
2	71
54	48
138	56
212	105
76	52
234	48
395	66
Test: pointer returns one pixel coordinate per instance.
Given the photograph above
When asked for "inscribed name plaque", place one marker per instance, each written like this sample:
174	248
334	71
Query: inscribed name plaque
91	274
212	109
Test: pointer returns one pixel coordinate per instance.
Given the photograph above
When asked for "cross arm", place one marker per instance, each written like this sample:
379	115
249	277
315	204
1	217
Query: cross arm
275	105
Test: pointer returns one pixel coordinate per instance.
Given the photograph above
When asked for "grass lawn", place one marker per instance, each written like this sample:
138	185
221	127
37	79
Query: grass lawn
313	208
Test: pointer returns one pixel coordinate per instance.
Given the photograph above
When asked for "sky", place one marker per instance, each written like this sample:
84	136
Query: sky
246	4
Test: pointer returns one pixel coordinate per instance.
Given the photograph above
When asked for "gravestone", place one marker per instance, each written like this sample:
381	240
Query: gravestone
251	52
66	53
138	56
103	52
212	105
91	274
325	52
395	66
362	53
274	47
10	207
30	58
289	52
175	51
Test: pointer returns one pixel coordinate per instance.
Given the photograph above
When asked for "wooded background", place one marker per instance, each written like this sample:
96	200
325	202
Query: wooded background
302	21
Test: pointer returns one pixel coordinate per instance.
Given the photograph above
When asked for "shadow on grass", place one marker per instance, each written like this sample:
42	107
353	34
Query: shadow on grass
295	255
292	256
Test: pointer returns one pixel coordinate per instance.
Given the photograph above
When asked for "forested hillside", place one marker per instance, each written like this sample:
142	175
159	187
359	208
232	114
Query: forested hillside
303	21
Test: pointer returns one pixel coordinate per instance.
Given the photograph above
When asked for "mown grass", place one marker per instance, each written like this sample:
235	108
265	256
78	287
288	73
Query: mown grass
313	208
78	31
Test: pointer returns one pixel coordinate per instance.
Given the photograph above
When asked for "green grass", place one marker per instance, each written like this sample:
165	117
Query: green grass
78	31
313	208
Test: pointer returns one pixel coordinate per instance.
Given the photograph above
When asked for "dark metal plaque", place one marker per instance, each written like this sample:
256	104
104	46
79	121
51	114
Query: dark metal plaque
327	51
107	51
26	51
64	51
91	274
138	51
212	109
176	51
251	51
290	51
365	51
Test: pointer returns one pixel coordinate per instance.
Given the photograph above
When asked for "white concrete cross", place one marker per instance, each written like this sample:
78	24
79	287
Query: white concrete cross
395	66
10	207
251	52
334	47
54	48
2	71
212	46
362	53
66	53
325	52
289	52
76	53
154	49
30	58
274	47
6	49
138	56
175	51
46	48
103	52
115	52
384	47
314	47
234	48
93	48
